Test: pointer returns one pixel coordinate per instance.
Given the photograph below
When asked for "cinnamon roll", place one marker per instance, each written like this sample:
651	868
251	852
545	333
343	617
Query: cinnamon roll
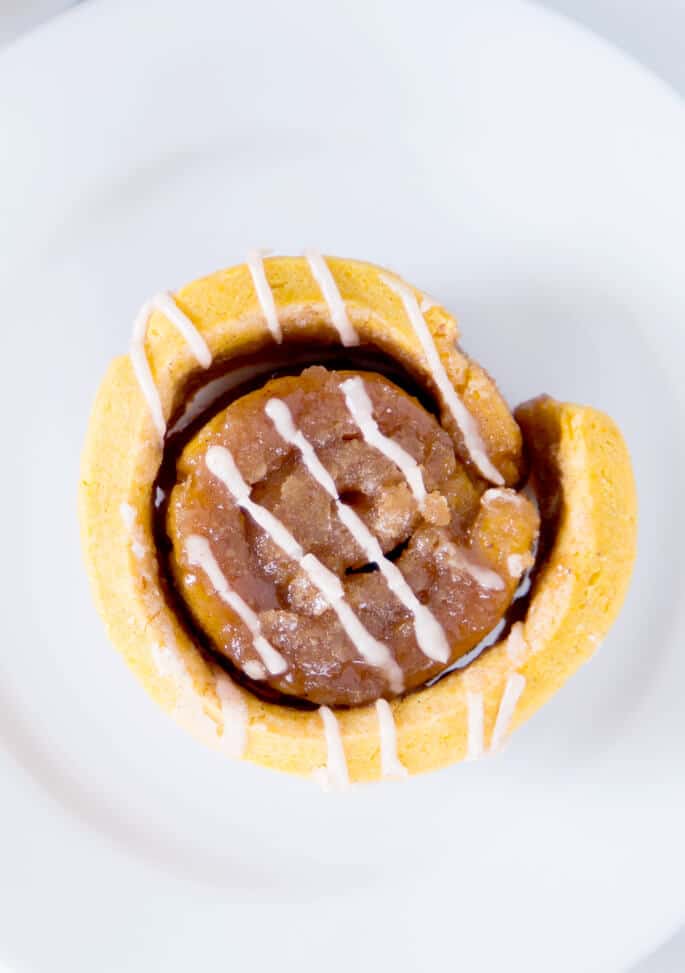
321	539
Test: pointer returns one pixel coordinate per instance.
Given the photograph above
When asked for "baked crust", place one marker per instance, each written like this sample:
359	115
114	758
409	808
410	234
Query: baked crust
575	596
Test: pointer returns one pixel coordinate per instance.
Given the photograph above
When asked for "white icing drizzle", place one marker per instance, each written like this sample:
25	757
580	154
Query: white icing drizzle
234	711
165	304
517	647
199	553
264	293
430	634
360	408
128	515
475	746
427	303
189	705
160	497
513	688
334	776
391	765
459	560
484	576
255	670
465	422
221	464
501	493
516	565
331	295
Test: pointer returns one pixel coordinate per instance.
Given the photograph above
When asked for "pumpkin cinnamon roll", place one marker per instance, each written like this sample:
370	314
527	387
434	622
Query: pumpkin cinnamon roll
321	539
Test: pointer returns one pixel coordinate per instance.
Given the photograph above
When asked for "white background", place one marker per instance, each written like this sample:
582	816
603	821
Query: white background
652	31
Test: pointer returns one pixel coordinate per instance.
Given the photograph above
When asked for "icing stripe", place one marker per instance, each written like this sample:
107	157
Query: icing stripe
234	711
391	765
484	576
465	422
501	493
334	776
460	561
189	703
475	746
199	553
516	565
513	688
517	647
221	464
430	634
165	304
361	409
264	293
255	670
128	515
331	295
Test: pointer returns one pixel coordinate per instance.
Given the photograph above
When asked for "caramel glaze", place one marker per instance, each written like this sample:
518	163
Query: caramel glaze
430	546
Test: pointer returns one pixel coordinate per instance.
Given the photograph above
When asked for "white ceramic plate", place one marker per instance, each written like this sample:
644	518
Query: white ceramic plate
530	177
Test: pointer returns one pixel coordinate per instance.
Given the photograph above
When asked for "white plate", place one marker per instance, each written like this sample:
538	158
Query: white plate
530	177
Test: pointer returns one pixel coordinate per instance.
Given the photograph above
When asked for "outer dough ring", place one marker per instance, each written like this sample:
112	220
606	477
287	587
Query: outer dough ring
573	603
